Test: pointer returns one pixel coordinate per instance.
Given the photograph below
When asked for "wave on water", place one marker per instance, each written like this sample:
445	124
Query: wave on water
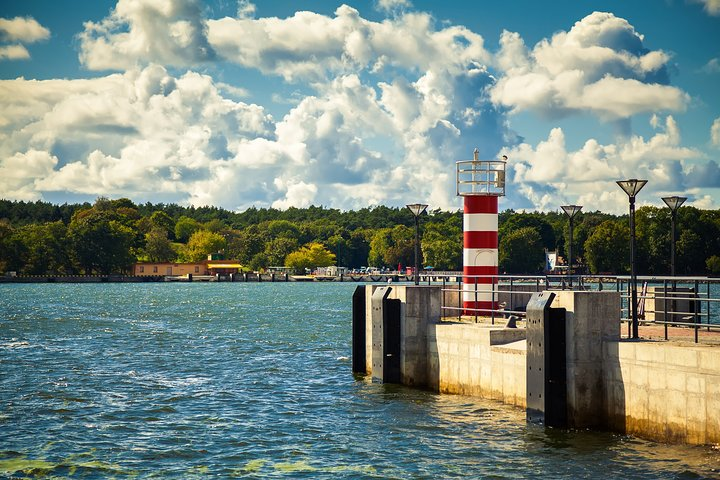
14	343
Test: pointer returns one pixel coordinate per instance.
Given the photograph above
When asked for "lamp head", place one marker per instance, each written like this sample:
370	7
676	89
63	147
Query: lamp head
632	187
674	202
416	208
571	210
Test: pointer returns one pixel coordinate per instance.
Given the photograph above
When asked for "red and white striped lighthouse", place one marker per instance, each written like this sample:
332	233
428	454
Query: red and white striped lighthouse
480	183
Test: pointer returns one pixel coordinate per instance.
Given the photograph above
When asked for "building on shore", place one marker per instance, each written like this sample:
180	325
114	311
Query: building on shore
214	265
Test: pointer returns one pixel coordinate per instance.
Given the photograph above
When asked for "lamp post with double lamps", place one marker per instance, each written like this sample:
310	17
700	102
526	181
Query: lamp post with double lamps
571	211
632	187
674	204
417	209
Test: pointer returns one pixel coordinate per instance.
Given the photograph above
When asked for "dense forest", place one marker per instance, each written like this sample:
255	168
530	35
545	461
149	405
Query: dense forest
110	235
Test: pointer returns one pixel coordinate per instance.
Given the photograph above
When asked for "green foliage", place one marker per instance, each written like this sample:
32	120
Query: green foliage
158	248
185	227
245	244
111	234
160	219
392	246
340	248
259	262
278	248
99	241
402	247
608	248
310	256
583	226
20	213
442	244
282	228
358	248
201	244
690	253
9	259
536	221
521	251
713	265
698	239
215	225
652	231
44	248
378	246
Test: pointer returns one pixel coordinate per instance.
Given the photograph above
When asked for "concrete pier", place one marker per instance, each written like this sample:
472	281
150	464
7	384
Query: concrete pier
666	391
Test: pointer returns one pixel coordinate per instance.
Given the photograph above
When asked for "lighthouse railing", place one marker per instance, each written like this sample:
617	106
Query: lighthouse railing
480	177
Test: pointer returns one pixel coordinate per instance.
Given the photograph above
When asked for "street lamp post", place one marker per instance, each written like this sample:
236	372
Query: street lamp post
571	211
674	203
632	187
417	209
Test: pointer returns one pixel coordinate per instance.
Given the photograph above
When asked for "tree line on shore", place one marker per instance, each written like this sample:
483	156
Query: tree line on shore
108	236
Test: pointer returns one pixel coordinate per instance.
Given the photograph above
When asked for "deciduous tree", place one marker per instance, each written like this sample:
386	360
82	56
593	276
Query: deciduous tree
44	248
310	256
607	250
442	245
158	247
521	251
200	244
185	227
278	248
160	219
99	242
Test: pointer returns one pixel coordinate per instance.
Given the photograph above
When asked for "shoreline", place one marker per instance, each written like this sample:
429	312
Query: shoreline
233	278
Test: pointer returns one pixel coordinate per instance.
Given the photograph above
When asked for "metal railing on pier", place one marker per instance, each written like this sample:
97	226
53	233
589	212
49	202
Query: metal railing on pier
674	302
678	306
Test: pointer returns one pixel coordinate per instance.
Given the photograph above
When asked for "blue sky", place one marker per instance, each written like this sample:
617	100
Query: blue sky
346	105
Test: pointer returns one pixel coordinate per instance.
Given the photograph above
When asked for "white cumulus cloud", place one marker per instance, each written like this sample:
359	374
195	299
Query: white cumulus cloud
138	32
17	31
134	134
547	175
392	5
13	52
22	29
711	6
712	66
600	65
385	110
18	172
298	194
715	133
309	45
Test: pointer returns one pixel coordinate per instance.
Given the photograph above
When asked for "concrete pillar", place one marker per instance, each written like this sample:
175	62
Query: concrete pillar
419	308
422	308
591	319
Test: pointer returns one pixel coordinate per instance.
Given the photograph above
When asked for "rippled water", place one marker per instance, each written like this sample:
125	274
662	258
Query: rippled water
254	380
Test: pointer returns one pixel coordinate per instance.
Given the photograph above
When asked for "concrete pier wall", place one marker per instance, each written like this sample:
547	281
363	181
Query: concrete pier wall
665	391
474	359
